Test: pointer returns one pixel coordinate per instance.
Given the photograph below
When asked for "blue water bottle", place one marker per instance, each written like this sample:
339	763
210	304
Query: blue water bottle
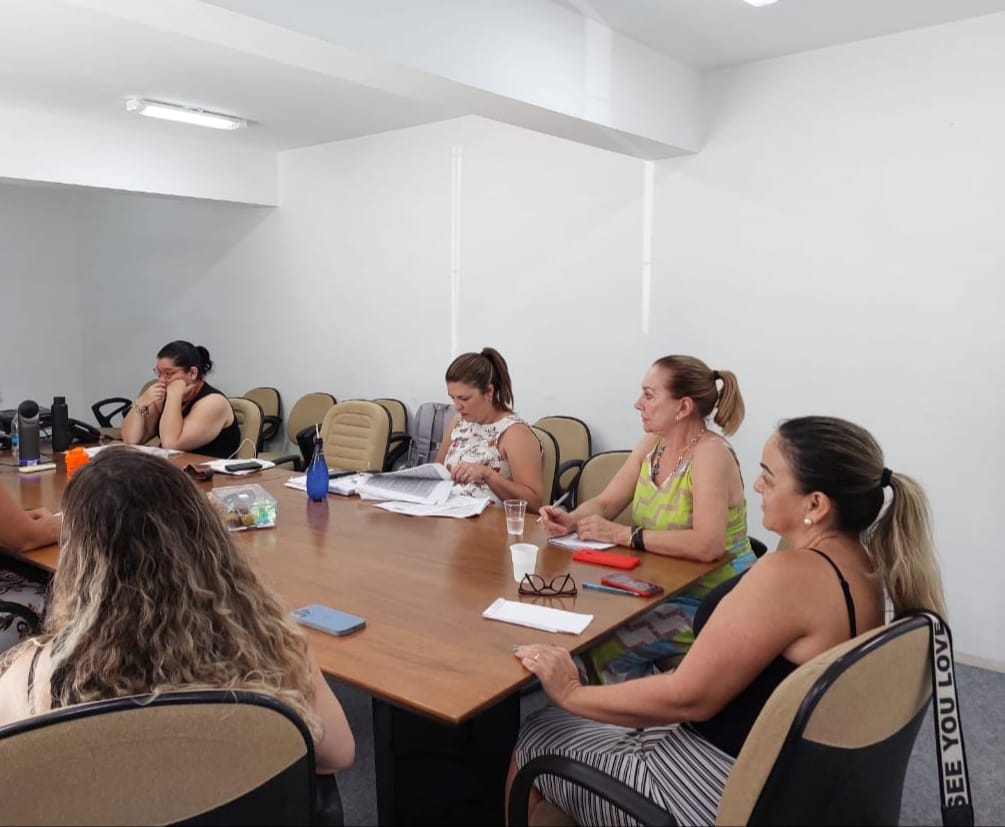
317	473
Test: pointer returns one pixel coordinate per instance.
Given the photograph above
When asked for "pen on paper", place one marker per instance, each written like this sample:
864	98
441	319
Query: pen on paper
599	587
557	502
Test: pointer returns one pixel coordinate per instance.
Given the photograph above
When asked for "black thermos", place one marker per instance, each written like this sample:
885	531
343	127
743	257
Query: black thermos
60	424
27	418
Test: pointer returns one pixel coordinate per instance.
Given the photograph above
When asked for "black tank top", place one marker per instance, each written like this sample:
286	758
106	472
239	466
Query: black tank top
226	443
729	727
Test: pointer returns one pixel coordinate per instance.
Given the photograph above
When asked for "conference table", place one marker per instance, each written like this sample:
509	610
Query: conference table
444	682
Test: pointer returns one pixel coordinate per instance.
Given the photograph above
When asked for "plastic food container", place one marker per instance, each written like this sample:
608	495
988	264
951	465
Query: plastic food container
245	506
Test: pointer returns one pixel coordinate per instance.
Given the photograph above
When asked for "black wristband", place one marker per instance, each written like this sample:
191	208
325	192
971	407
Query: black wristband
636	540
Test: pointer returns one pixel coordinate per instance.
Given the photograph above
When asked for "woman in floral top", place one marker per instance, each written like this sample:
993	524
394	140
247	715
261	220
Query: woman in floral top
491	451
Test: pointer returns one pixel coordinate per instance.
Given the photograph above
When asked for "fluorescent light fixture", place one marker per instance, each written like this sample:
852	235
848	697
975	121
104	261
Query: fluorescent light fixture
759	2
184	114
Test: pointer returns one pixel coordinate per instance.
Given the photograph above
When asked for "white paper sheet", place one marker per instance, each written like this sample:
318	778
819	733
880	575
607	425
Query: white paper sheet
455	506
574	542
220	466
345	485
146	449
538	617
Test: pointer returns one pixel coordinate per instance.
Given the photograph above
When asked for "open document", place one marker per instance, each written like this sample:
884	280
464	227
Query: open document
428	484
574	542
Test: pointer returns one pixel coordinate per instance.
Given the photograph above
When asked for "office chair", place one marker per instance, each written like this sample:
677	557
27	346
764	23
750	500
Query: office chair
400	438
307	412
595	473
105	410
195	757
550	459
356	433
272	410
249	418
575	445
831	745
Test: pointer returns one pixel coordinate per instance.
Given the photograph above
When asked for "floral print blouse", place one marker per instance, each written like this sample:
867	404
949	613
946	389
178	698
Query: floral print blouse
479	444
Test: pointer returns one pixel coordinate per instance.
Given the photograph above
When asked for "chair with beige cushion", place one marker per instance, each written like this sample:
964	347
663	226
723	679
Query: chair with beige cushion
201	757
308	411
831	745
356	434
400	438
549	461
575	444
249	419
271	404
594	475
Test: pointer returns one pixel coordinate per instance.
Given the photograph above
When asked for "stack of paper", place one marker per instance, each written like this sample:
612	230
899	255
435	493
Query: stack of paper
537	617
336	485
220	466
572	541
428	484
146	449
455	506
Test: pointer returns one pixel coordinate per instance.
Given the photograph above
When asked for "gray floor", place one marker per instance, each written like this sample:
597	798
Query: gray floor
982	712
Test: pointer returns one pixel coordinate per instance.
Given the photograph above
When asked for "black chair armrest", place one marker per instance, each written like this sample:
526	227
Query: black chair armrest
327	802
305	441
592	779
270	427
122	406
296	459
397	445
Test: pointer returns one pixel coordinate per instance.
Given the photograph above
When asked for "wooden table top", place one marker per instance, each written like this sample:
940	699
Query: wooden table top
421	583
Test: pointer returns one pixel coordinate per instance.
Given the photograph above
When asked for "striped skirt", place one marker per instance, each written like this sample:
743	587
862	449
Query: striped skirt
671	765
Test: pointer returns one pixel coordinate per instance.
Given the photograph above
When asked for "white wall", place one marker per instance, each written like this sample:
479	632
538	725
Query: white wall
40	296
835	244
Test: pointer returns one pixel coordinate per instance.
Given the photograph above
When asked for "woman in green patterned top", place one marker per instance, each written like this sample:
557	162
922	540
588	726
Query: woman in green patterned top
684	485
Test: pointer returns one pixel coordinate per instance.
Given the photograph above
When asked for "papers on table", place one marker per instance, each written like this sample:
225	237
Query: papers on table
428	484
220	466
538	617
156	450
572	541
337	485
455	506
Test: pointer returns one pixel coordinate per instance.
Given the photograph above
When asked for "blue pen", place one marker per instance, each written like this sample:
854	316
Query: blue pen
599	587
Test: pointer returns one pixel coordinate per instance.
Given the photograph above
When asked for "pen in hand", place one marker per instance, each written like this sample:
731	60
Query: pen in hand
559	501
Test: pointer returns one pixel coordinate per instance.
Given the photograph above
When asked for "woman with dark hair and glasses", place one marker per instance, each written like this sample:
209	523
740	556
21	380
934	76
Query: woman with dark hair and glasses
490	452
684	486
674	737
181	408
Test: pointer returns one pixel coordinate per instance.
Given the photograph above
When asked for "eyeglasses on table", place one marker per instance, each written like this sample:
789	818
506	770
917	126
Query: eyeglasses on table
561	585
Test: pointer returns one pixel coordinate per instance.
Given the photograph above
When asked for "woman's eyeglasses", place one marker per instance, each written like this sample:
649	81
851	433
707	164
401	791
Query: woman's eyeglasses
561	585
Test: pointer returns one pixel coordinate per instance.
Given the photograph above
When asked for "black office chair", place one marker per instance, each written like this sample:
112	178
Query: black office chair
196	757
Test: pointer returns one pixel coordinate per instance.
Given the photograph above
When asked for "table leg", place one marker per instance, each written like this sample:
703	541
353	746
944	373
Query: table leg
432	773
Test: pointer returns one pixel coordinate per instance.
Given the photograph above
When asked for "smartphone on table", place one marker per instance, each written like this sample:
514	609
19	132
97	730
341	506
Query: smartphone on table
643	588
327	619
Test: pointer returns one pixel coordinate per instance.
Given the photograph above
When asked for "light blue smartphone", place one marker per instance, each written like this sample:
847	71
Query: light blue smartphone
327	619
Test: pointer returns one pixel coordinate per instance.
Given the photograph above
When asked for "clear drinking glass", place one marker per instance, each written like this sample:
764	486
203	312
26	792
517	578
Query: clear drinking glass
515	513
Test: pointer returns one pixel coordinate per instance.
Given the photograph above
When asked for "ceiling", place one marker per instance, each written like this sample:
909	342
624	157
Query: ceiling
710	34
69	58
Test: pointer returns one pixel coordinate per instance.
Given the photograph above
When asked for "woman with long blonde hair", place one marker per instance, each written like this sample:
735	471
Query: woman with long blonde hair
152	595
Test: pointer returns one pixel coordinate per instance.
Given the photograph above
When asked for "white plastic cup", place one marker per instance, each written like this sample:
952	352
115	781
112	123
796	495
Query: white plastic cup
524	559
516	510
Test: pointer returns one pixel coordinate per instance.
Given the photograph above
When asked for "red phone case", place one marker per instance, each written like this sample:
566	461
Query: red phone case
606	558
643	588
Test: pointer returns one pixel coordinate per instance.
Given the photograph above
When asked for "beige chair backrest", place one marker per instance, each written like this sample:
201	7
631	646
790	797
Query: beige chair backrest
249	419
162	761
356	434
867	692
549	462
398	413
267	398
309	409
597	471
574	443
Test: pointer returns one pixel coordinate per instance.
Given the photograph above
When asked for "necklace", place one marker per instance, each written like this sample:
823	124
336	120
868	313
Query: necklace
680	458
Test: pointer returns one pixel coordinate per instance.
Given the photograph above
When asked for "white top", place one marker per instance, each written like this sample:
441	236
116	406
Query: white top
479	445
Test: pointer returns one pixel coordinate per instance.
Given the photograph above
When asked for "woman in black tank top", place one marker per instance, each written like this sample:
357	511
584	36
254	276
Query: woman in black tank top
181	408
674	736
